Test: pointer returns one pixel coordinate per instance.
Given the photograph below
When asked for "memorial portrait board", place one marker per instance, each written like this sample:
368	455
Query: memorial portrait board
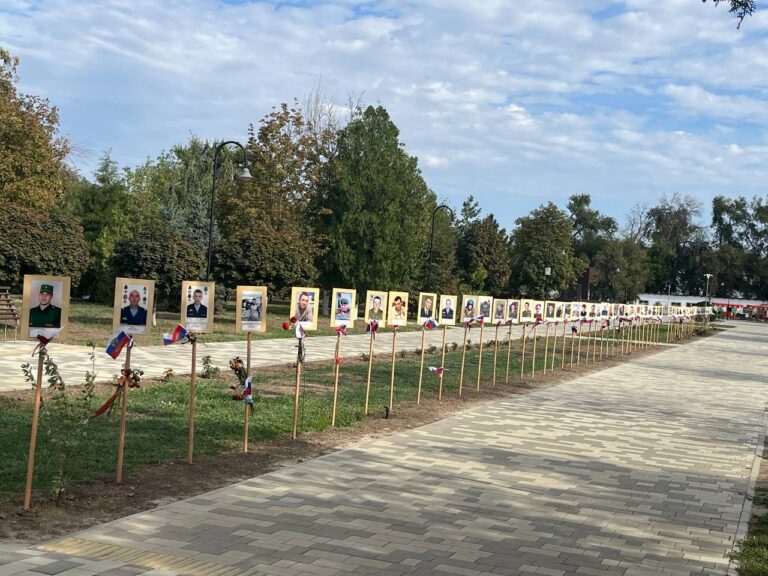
448	309
45	306
304	306
397	312
133	306
343	307
197	300
252	311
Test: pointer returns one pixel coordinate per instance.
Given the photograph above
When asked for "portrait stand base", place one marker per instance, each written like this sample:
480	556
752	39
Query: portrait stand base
33	435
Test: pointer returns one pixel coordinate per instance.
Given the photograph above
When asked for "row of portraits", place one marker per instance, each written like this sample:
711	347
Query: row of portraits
46	307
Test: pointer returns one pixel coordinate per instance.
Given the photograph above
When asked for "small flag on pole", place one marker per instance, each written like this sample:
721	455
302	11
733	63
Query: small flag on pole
178	333
117	343
341	330
430	324
371	327
437	370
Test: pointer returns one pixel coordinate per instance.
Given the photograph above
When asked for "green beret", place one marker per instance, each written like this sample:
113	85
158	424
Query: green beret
47	288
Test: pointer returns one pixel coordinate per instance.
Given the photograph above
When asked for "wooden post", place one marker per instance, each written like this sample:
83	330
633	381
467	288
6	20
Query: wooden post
602	337
554	349
370	365
297	392
480	356
33	435
546	349
246	409
562	357
248	356
123	413
392	375
463	359
442	365
192	397
594	344
522	352
578	352
336	367
533	356
573	342
589	338
509	354
495	352
421	368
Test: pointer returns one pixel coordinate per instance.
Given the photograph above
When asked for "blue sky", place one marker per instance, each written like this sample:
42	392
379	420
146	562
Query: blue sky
516	102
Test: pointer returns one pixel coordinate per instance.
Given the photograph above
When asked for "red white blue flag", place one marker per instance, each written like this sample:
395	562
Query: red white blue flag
437	370
178	333
117	343
430	324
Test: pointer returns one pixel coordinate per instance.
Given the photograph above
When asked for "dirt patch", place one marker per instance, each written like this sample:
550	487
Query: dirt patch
86	505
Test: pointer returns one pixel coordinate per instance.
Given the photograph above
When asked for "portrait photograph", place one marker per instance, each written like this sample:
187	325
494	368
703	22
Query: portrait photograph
376	306
560	311
605	309
538	310
575	310
549	309
448	309
45	306
499	310
469	307
343	307
133	306
304	302
566	310
526	310
484	305
252	309
397	314
592	310
427	306
513	311
197	300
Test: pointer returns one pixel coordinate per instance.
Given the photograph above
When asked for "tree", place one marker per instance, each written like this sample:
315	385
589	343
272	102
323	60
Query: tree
483	246
591	229
741	8
443	276
32	242
543	239
32	171
375	208
159	253
622	271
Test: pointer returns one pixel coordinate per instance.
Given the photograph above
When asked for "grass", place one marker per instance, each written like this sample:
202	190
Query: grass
752	553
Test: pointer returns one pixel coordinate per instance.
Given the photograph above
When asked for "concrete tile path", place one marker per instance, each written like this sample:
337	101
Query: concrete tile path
640	469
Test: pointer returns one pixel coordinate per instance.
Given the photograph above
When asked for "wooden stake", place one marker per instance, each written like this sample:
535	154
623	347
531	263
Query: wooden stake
421	368
336	367
442	365
573	342
554	349
192	397
546	349
246	409
392	375
509	354
562	358
33	435
480	356
602	337
248	356
578	352
589	338
295	431
463	359
370	365
123	413
594	344
533	357
522	352
495	352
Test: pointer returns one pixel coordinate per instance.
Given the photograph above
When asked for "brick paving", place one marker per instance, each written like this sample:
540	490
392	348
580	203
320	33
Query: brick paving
639	469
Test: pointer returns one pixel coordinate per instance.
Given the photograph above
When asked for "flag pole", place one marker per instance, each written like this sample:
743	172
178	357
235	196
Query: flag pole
35	420
370	365
392	375
442	365
463	358
480	354
421	368
124	412
192	398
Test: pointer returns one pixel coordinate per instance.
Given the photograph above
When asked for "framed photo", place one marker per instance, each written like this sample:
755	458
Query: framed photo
499	310
567	310
132	310
526	311
251	315
605	309
427	305
549	310
575	310
343	307
560	311
397	314
538	310
483	306
448	309
468	307
513	311
376	306
45	306
583	309
197	300
304	306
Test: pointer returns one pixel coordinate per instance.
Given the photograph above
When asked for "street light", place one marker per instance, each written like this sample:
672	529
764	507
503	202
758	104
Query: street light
431	237
706	290
243	175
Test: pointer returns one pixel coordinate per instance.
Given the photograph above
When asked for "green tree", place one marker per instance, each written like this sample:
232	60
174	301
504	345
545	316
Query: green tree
543	240
443	276
32	242
483	245
622	271
741	8
375	208
32	170
591	229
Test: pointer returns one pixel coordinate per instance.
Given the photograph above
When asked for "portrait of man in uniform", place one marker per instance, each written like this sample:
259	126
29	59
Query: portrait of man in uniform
132	310
253	309
45	305
45	314
304	301
343	307
376	305
197	305
448	309
398	309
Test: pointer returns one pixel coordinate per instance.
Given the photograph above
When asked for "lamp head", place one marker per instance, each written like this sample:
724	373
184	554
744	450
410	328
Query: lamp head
244	174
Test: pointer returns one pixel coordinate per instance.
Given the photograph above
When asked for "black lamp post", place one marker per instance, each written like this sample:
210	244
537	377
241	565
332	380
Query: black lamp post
243	175
431	237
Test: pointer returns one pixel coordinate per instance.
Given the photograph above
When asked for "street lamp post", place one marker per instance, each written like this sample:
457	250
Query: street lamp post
431	238
706	290
243	175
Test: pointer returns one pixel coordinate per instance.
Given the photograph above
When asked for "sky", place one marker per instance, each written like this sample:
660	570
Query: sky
516	102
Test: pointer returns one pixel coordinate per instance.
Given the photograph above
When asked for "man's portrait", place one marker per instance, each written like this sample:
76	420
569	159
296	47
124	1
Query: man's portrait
448	309
513	311
468	307
376	306
559	308
398	309
253	309
45	305
197	301
343	307
566	310
549	311
526	310
133	305
499	310
538	310
483	306
427	305
303	306
604	309
575	310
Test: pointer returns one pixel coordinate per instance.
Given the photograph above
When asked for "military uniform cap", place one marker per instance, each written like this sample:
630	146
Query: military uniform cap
47	288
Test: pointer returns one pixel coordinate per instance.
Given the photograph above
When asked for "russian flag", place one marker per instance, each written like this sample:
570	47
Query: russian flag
437	370
178	333
430	324
117	343
341	330
371	327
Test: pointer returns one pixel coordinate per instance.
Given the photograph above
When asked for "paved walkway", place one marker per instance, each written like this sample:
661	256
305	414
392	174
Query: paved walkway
74	361
640	469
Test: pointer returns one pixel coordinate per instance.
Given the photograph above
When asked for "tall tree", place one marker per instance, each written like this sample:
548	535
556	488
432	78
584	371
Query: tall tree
622	271
741	8
376	208
32	170
483	251
591	229
541	241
